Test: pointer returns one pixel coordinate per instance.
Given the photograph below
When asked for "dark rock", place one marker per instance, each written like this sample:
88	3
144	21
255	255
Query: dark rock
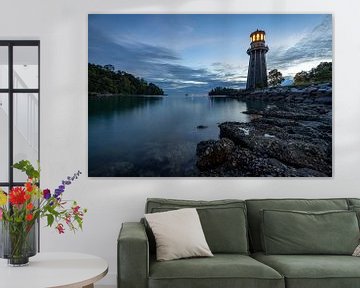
308	101
291	142
296	90
297	154
249	164
295	94
277	97
244	163
313	91
291	136
323	100
285	141
299	98
212	153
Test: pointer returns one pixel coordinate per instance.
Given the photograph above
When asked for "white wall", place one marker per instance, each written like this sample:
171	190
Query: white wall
61	25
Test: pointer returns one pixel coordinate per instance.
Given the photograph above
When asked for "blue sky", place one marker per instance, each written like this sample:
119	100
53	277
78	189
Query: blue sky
195	53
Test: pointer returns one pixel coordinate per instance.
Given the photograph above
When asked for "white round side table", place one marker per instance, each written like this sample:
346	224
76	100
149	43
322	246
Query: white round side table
50	270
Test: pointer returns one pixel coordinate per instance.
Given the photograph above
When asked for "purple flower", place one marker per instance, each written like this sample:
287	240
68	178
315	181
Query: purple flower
68	181
46	194
58	192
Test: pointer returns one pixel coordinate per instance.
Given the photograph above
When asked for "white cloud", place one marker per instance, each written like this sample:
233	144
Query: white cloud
313	48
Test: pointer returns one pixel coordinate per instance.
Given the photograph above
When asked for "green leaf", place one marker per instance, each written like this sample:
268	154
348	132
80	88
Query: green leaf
50	219
26	167
79	221
51	210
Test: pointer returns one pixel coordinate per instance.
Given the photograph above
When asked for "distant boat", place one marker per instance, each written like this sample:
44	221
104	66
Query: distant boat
186	94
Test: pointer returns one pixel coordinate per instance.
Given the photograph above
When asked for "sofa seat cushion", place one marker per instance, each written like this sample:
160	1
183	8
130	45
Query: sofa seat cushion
313	271
222	270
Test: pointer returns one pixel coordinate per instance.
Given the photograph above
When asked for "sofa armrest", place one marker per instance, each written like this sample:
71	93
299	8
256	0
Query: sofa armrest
133	256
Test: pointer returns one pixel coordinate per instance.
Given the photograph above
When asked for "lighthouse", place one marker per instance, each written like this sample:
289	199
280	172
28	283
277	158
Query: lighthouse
257	73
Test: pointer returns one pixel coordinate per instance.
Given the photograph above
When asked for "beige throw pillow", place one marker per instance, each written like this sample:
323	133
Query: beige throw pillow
357	251
178	234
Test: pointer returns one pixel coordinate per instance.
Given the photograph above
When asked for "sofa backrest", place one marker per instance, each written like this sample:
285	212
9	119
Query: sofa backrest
223	221
353	202
256	205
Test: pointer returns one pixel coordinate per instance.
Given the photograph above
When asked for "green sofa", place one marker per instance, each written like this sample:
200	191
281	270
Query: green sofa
233	230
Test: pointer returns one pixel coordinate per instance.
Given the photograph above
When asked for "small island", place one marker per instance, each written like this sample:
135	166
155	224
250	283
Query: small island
106	81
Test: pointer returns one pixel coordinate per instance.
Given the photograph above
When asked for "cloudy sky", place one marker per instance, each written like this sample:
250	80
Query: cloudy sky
195	53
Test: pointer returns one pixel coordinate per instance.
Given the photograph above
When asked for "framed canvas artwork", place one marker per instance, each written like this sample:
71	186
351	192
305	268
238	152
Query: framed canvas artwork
218	95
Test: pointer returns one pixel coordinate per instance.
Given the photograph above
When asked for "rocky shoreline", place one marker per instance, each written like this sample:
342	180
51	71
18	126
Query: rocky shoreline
316	93
290	137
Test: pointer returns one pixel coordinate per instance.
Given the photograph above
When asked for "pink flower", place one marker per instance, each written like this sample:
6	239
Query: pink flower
68	219
60	228
76	210
1	213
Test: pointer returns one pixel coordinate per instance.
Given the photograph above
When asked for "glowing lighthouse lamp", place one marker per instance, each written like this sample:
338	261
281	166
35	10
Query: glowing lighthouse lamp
257	73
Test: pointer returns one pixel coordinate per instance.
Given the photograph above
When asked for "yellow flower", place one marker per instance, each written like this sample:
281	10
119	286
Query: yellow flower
3	198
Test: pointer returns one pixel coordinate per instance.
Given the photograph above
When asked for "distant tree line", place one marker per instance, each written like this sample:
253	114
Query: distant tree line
320	74
223	91
106	80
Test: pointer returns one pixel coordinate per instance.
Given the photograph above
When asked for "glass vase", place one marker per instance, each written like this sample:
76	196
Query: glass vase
18	242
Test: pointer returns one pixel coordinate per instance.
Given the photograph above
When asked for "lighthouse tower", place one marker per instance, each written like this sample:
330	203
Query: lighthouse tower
257	74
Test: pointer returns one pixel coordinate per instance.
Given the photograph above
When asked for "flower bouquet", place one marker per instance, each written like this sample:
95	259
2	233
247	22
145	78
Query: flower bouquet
21	208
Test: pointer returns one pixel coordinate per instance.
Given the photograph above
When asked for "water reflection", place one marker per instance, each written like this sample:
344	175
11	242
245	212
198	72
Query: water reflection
256	105
154	136
104	106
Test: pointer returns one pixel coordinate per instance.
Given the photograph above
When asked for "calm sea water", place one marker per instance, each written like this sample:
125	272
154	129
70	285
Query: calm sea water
154	136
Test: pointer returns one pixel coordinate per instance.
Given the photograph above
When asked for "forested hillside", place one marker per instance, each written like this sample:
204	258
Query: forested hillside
106	80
